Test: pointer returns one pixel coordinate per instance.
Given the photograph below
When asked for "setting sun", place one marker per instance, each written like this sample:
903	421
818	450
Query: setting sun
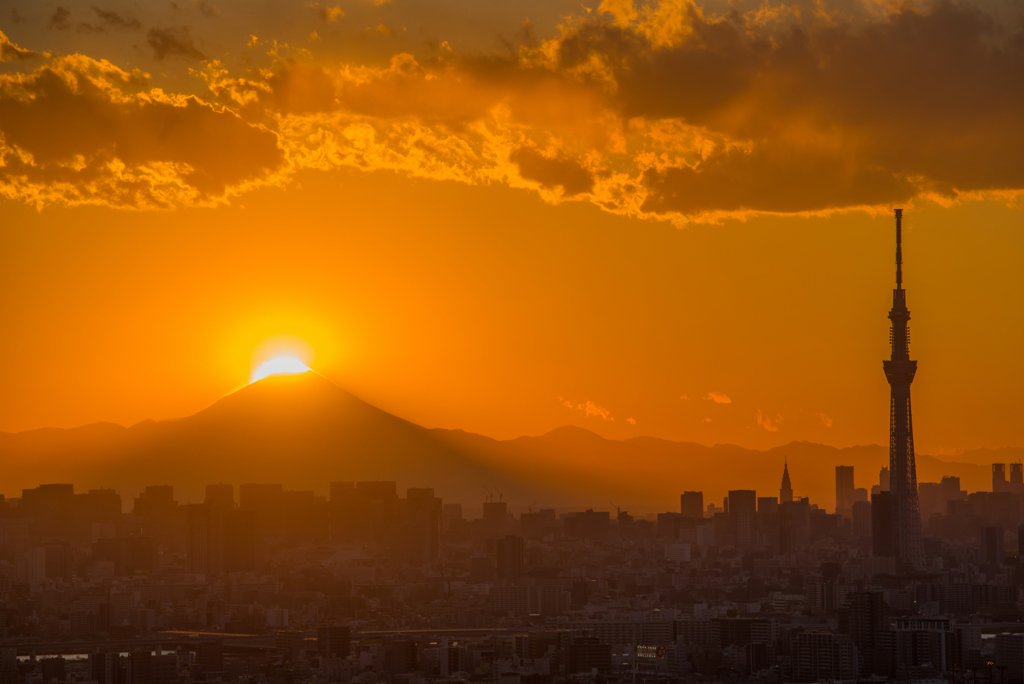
281	365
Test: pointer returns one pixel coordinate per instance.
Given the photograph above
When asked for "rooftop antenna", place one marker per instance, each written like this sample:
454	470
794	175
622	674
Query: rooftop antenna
899	249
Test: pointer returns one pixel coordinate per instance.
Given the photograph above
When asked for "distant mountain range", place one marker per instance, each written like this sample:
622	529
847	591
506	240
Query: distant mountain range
305	432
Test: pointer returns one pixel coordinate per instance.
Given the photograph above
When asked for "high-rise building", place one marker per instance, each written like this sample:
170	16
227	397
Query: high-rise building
221	495
333	640
509	555
883	537
900	371
864	619
743	516
495	515
992	551
205	538
691	504
861	517
999	483
786	490
844	490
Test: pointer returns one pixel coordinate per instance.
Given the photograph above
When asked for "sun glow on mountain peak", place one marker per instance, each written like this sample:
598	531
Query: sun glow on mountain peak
279	365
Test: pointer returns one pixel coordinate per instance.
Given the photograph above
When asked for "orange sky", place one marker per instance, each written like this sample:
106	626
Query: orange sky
651	219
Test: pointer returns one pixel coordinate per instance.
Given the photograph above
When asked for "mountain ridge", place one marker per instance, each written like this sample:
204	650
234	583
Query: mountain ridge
304	431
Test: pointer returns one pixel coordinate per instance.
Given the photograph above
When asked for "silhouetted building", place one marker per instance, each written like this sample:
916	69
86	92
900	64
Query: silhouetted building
333	640
844	490
861	520
864	618
786	489
992	549
883	536
999	483
820	656
495	515
743	516
241	542
130	555
587	654
900	371
205	538
509	555
691	504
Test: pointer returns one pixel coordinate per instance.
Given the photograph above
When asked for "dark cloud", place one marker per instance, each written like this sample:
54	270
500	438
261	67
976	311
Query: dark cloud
562	172
59	19
826	116
173	42
76	132
119	21
207	9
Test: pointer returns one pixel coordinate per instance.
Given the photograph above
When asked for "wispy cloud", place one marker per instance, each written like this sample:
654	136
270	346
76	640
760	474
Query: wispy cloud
825	420
588	408
719	398
631	421
766	422
326	12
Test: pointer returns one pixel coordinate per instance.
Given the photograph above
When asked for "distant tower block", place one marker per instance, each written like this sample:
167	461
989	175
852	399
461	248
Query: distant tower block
691	504
786	490
999	477
1016	476
844	490
900	371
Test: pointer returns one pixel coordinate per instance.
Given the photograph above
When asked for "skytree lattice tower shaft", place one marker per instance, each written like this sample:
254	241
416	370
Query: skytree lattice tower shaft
899	371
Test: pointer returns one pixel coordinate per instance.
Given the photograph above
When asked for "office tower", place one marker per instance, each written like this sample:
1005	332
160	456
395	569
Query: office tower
743	516
999	483
495	514
54	669
844	490
209	657
864	619
992	545
691	504
241	542
333	640
900	371
950	489
883	479
861	516
222	495
1016	476
768	521
509	553
140	667
422	526
786	490
883	536
105	668
205	539
818	656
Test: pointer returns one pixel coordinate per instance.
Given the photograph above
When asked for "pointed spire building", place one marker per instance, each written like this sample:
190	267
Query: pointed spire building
786	491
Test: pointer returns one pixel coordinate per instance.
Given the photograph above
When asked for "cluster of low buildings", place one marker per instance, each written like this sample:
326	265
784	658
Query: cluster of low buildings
265	585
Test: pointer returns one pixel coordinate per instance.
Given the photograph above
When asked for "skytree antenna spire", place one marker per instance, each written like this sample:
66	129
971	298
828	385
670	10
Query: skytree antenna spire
900	371
899	249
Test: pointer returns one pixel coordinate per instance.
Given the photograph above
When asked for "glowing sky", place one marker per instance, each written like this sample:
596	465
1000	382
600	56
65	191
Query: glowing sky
668	218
